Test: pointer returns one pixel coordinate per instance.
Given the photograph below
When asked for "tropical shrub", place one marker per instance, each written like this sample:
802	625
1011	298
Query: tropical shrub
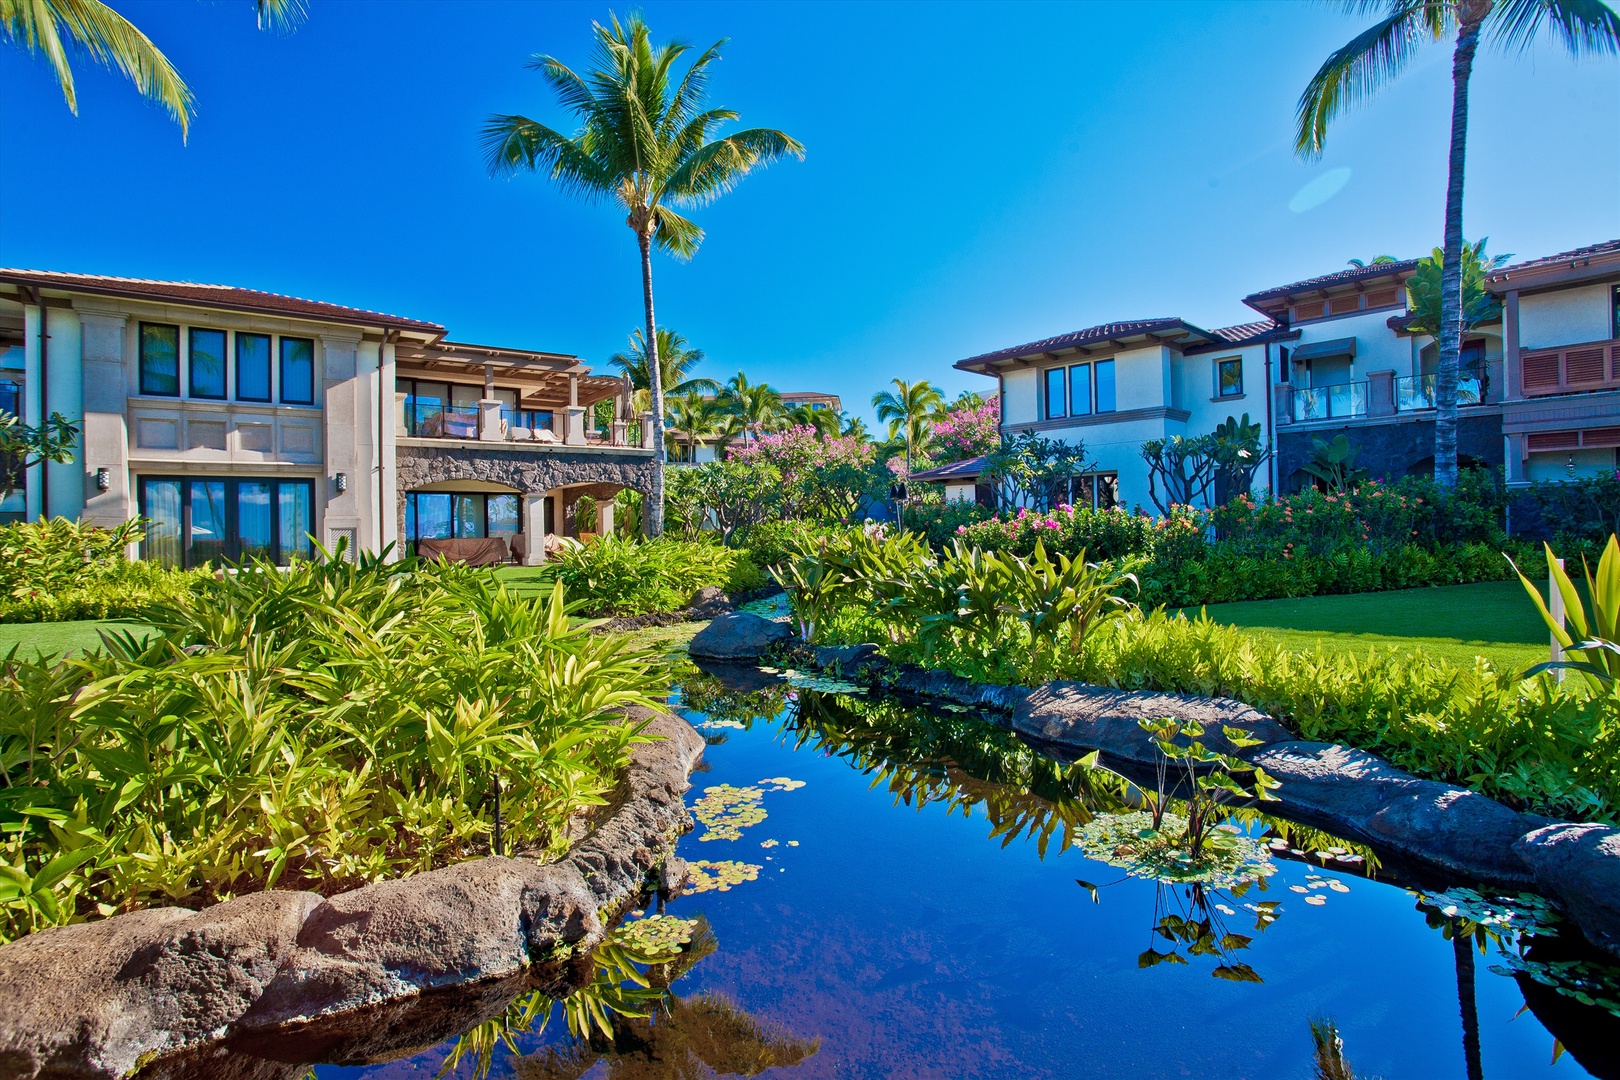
316	727
822	478
939	522
1591	643
967	430
633	576
53	570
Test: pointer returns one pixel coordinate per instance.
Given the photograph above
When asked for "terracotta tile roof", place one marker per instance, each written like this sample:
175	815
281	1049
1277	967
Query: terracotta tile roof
1580	254
956	470
1090	335
1326	281
1246	331
221	296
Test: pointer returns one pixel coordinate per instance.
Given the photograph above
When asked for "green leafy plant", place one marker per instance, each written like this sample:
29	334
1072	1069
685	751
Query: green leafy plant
627	575
22	446
1333	464
316	727
1592	642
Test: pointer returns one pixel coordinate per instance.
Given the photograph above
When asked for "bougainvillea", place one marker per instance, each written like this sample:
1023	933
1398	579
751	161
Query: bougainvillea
825	478
967	432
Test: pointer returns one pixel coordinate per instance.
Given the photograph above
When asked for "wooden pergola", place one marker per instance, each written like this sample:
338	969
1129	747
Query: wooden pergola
543	381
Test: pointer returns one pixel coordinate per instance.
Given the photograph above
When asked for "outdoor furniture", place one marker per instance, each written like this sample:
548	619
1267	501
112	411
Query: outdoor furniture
472	550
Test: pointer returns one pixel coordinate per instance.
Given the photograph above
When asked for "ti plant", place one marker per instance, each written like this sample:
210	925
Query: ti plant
1592	645
1062	599
1210	782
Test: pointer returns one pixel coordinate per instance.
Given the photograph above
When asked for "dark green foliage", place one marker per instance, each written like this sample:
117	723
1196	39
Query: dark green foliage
315	727
56	570
631	576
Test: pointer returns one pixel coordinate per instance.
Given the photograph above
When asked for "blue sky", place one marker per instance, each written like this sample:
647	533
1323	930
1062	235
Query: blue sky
976	177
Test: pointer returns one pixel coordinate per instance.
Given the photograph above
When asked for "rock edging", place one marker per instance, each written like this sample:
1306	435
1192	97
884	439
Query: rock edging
102	999
1447	830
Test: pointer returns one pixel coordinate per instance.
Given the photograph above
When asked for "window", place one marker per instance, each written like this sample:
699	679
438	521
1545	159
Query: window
206	363
1095	491
1105	385
252	367
160	360
1080	390
1055	397
433	515
195	521
1229	377
297	371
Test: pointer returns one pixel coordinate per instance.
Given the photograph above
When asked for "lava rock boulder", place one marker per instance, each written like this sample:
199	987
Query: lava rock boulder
738	636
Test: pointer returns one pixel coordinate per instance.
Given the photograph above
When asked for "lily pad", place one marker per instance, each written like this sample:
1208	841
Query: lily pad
708	876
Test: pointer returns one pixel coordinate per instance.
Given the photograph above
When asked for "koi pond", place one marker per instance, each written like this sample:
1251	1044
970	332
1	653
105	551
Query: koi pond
892	891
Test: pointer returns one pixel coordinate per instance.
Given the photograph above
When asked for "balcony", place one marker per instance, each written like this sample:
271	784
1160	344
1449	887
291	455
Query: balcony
494	421
1571	369
1338	402
1381	395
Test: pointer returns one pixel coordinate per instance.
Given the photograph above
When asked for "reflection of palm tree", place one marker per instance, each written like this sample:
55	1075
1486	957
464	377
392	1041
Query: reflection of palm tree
1329	1057
691	1037
1462	949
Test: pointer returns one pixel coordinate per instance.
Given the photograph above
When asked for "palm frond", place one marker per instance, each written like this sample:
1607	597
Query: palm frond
512	143
281	15
1358	70
1583	27
109	38
718	167
680	236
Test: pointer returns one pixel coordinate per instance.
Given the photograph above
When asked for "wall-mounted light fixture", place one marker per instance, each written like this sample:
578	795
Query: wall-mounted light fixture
103	479
1570	466
342	481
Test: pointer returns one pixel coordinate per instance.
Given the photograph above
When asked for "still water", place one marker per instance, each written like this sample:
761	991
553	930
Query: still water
914	904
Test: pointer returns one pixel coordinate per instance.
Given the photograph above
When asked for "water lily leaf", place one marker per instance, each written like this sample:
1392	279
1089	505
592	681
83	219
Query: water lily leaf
1237	973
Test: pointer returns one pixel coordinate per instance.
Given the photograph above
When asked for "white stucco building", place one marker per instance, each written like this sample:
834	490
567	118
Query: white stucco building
1332	355
243	423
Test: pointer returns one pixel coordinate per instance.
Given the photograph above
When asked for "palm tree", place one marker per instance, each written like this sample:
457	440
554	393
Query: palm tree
114	41
1362	264
644	141
823	421
693	418
757	405
1378	54
675	359
855	427
909	408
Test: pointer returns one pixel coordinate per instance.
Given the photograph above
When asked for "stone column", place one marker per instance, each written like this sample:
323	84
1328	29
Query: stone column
574	425
604	516
400	426
1512	369
534	528
1515	459
1381	393
647	431
490	427
621	431
106	431
1283	403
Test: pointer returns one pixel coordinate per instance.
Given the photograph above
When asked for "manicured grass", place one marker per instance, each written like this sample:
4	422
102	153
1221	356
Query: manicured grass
55	638
527	580
1454	623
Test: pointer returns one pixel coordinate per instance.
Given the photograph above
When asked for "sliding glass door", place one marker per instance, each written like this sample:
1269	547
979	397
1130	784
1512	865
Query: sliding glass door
194	521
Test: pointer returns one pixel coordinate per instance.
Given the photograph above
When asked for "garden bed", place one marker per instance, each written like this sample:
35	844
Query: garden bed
104	998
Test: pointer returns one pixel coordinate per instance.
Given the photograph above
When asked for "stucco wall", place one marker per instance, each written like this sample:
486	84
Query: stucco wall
1020	403
1565	317
1378	348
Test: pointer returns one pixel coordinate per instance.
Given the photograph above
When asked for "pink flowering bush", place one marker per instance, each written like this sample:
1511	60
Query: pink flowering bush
967	432
824	479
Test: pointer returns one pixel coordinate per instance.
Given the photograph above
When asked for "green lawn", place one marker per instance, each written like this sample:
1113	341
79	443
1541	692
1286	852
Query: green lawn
54	639
1454	623
532	581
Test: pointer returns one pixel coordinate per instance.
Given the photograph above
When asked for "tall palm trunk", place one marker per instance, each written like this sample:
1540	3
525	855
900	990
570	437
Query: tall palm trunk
1462	946
653	519
1472	14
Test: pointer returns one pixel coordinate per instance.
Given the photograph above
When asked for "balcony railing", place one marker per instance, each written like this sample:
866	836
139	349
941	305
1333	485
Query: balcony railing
492	422
431	421
1415	393
1570	369
1342	401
